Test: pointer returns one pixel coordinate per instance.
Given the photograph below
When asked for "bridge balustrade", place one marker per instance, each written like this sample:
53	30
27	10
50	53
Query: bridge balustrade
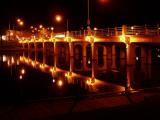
146	30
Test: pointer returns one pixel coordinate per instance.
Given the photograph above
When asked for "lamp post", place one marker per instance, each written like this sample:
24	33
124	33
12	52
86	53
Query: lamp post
58	18
9	28
20	23
52	28
88	15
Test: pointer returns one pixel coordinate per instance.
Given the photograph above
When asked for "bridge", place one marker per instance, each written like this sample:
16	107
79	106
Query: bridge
100	49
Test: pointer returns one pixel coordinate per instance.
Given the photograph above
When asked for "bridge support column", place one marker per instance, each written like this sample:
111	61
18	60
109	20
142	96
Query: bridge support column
71	58
113	57
67	53
44	53
105	58
93	61
149	55
129	80
55	55
84	54
28	48
35	47
130	49
109	57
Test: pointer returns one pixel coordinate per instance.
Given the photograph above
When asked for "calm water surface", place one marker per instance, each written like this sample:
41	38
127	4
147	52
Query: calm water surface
34	76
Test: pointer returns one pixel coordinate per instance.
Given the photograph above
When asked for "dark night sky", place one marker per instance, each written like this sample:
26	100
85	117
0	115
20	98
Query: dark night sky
114	13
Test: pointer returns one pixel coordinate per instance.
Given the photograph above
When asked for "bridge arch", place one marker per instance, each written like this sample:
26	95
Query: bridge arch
78	56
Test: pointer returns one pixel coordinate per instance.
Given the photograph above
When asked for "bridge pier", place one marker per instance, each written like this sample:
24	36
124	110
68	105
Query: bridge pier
109	57
130	54
71	58
104	58
93	61
114	56
44	53
84	56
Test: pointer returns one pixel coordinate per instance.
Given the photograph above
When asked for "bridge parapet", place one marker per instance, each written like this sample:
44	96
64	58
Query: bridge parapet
148	30
135	31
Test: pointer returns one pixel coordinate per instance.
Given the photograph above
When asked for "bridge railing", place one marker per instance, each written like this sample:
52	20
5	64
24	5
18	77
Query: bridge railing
77	34
116	31
143	30
149	30
104	32
135	30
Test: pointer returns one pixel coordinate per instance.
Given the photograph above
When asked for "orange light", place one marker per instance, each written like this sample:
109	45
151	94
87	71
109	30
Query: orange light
21	23
18	20
52	28
23	71
40	26
60	83
11	34
31	27
58	18
20	77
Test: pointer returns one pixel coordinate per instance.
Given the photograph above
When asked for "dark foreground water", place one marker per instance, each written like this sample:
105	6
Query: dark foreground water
26	76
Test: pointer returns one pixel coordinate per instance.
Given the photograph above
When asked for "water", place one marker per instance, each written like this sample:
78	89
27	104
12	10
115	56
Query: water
35	76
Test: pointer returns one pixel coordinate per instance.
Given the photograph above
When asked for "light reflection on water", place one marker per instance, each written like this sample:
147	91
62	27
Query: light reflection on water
35	78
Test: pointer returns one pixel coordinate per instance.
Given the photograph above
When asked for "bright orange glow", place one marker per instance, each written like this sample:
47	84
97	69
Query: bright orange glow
8	63
52	28
33	64
12	60
11	34
132	27
89	39
95	28
20	77
21	23
18	20
18	62
4	58
40	26
31	27
59	36
58	18
60	83
23	71
68	74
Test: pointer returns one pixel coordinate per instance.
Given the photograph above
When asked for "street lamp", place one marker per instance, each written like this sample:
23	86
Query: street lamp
20	23
58	18
52	28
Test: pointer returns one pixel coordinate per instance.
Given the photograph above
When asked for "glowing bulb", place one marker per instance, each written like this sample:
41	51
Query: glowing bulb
58	18
23	71
60	83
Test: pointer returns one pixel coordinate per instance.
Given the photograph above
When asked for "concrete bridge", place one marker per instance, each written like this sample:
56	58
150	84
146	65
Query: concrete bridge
130	43
94	50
